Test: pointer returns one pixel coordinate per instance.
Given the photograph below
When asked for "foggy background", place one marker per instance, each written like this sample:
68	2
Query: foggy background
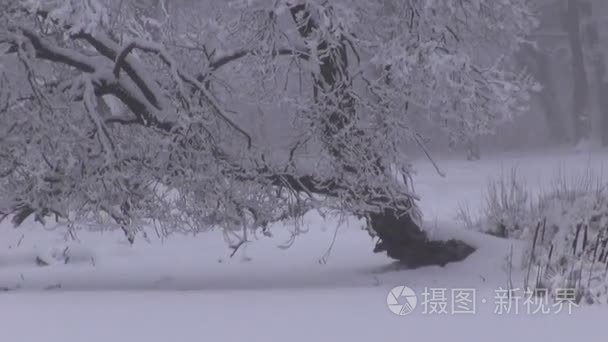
565	55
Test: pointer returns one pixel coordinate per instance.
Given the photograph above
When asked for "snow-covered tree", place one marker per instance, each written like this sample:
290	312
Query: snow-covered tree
196	115
567	58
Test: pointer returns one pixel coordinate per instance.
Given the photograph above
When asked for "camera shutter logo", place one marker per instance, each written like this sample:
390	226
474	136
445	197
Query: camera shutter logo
401	300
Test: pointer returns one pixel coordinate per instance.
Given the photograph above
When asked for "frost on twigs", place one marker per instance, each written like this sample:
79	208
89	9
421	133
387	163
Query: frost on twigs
80	16
142	113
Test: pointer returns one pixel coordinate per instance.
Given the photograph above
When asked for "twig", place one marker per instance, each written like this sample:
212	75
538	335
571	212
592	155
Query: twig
236	247
325	256
428	155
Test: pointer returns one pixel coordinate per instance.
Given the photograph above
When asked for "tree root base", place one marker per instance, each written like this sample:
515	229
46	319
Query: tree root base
403	240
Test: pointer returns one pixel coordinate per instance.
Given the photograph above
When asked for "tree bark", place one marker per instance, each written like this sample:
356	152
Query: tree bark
402	239
599	78
603	99
580	116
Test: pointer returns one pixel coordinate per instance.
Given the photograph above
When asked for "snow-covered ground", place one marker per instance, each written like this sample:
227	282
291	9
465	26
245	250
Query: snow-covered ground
189	289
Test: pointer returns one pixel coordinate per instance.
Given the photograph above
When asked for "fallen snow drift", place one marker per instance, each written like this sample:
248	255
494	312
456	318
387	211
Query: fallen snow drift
188	288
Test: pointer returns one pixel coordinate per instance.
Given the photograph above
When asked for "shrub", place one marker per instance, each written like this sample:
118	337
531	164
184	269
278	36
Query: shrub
566	227
506	209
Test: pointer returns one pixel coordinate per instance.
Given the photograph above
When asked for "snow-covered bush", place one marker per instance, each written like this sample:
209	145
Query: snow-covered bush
573	237
566	229
505	208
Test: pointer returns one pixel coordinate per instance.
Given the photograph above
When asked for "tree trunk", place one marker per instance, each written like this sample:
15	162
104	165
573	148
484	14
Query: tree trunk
400	236
539	65
603	103
402	239
600	82
580	117
473	149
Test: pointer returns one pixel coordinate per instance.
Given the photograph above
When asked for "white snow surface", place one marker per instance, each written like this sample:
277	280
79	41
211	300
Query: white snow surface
187	288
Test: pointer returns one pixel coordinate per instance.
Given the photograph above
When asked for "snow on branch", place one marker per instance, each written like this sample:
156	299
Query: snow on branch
220	61
178	76
53	53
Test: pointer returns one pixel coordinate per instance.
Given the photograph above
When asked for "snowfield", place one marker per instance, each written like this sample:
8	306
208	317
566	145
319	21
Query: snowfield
189	289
